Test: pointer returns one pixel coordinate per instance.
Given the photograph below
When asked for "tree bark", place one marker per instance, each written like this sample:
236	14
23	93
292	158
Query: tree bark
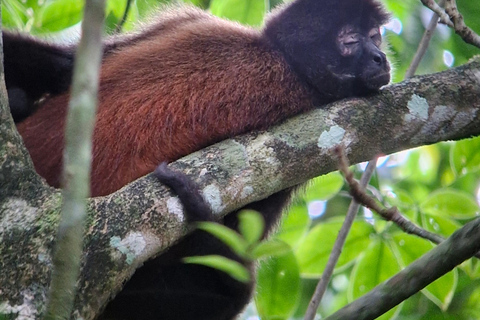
139	221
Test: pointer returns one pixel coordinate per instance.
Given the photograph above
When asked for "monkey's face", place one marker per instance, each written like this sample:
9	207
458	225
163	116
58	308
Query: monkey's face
361	59
334	46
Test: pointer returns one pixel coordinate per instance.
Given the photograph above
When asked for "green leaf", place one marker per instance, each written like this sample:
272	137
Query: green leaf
132	19
469	307
233	268
451	203
444	226
295	224
472	268
251	225
249	12
275	3
146	7
313	252
422	164
324	187
272	247
199	3
441	291
14	14
116	7
377	264
391	314
401	199
111	22
464	156
60	14
227	235
410	249
278	287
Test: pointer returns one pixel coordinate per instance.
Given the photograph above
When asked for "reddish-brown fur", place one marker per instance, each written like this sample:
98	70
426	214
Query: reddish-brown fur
185	82
156	103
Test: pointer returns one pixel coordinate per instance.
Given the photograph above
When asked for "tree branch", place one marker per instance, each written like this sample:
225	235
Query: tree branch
76	165
357	190
432	5
339	242
142	219
459	25
454	19
459	247
423	45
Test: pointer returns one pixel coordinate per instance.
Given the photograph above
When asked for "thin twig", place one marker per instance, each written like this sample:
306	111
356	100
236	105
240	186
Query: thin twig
432	5
119	26
423	45
459	25
453	18
389	214
339	243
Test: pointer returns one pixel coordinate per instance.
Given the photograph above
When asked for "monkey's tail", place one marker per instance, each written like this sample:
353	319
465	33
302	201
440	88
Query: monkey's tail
195	206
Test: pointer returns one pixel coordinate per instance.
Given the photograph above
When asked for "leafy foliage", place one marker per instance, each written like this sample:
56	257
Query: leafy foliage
246	244
435	186
278	287
235	269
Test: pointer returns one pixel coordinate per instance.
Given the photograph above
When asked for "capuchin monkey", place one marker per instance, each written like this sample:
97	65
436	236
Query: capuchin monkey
185	82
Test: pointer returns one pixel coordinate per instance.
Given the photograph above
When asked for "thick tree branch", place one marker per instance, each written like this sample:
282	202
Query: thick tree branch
142	219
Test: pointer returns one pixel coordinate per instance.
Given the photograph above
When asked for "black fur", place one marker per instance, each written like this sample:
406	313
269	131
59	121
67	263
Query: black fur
195	207
34	69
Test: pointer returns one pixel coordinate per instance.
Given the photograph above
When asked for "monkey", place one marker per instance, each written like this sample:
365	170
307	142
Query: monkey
185	82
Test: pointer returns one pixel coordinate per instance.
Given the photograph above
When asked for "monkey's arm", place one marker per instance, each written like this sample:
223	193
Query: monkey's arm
33	69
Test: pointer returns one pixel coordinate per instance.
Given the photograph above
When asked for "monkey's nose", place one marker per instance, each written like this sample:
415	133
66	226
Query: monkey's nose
379	58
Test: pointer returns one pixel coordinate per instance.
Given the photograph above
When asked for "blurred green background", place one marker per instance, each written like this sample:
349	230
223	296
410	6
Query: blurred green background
436	186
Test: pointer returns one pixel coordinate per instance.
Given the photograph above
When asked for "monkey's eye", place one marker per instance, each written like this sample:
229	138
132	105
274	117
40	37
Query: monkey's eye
348	40
351	42
351	39
375	36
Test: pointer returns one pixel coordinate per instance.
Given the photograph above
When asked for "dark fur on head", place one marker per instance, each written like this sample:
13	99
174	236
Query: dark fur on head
305	32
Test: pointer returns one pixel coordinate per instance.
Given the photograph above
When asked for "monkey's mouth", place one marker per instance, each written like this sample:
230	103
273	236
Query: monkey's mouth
377	80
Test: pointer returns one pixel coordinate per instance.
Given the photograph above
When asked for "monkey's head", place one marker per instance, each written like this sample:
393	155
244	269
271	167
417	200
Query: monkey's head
333	45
